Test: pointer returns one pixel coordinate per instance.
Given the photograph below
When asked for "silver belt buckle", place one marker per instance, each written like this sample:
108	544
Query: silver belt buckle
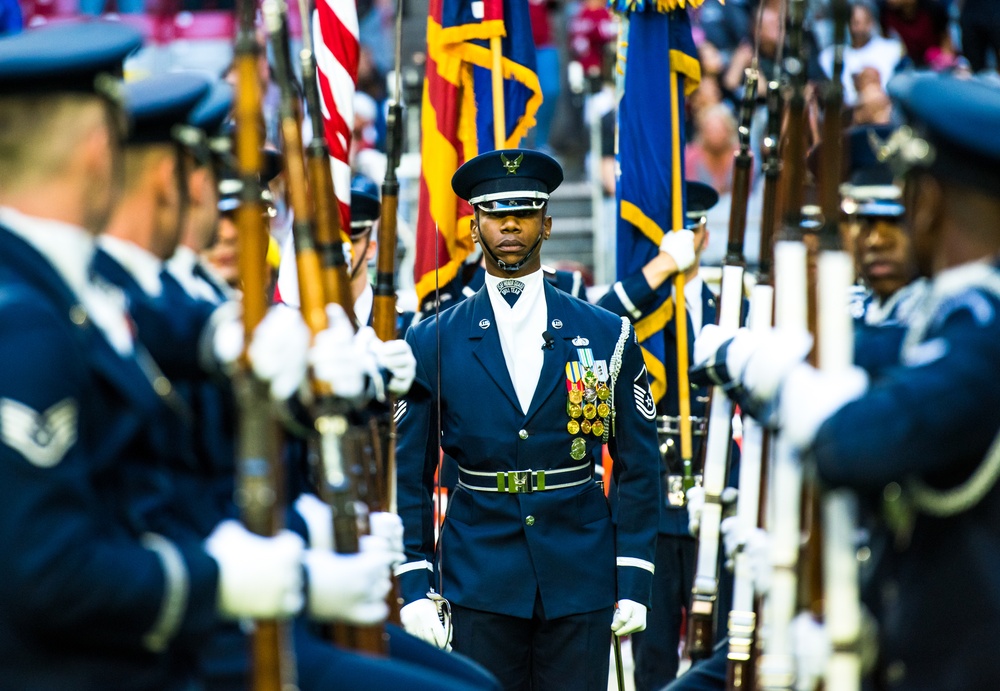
515	481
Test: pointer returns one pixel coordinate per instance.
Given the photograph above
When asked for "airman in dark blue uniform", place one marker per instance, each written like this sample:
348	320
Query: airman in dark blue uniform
655	649
923	434
93	594
529	382
167	315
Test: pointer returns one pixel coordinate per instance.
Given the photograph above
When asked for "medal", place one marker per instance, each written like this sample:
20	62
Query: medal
572	426
574	410
585	426
603	392
597	428
575	396
589	378
590	411
578	449
603	409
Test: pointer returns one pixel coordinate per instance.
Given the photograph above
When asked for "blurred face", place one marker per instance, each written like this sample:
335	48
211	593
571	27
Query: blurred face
770	31
884	255
222	255
861	26
511	236
105	183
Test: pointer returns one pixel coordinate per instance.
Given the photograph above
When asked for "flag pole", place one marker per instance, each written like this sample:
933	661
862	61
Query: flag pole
499	118
680	306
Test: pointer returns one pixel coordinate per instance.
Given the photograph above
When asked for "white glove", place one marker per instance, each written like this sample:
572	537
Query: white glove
679	244
319	520
278	350
227	336
396	357
630	617
349	588
707	344
774	354
336	358
733	537
420	618
811	647
809	396
696	504
757	547
259	577
388	527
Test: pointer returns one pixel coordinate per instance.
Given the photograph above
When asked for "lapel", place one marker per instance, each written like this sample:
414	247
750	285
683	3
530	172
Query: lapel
553	376
489	352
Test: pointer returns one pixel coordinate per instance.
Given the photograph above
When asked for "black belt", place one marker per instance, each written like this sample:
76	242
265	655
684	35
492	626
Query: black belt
525	481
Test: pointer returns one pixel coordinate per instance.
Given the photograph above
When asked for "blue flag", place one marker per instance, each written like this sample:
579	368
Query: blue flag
658	66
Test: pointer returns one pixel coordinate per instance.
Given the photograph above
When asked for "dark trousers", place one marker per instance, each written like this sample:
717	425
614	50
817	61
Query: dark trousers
536	654
655	649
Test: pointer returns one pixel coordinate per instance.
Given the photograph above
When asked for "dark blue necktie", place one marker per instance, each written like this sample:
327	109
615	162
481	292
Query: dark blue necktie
511	290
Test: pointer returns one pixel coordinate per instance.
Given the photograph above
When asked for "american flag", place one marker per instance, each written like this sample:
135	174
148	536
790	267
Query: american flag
335	28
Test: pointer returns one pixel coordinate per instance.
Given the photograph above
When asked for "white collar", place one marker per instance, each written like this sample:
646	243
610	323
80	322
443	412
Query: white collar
183	260
68	248
143	265
532	288
692	289
363	305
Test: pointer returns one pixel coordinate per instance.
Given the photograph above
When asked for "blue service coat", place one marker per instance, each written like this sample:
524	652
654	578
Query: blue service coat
500	551
931	419
81	595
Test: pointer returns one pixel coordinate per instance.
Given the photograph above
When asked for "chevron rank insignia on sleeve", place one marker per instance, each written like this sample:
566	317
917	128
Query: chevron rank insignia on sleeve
643	397
42	438
400	410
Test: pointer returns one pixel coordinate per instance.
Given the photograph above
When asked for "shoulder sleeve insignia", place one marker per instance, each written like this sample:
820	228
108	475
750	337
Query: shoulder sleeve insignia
643	396
42	438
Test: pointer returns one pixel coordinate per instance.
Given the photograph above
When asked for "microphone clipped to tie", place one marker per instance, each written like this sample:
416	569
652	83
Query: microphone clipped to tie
550	341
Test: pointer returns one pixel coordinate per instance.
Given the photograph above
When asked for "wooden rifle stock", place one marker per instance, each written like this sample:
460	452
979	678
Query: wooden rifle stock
384	308
718	444
258	480
330	236
338	439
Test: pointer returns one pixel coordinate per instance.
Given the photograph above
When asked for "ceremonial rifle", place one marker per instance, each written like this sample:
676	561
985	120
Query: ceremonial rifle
339	440
776	668
330	237
744	619
719	440
384	309
258	472
835	275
